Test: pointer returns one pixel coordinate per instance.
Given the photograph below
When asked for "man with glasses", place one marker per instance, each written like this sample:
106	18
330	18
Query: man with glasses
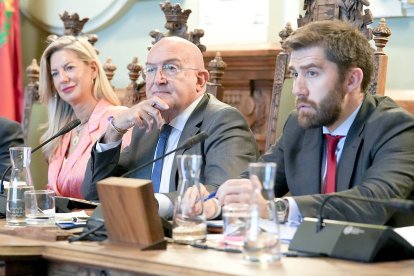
176	100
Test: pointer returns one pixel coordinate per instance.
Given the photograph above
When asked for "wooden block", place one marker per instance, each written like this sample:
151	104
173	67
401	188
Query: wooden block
130	212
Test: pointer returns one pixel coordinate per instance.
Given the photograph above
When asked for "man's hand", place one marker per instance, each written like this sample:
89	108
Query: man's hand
144	115
193	199
210	206
243	191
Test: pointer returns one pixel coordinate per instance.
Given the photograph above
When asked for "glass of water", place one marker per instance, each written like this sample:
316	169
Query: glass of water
259	245
236	218
40	207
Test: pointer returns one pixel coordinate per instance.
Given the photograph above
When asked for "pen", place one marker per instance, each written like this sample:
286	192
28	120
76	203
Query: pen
228	250
210	196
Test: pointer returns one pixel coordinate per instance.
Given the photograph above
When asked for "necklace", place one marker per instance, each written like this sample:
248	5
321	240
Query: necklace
78	129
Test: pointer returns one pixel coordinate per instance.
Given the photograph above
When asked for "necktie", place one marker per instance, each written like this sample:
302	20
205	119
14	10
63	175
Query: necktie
157	170
330	179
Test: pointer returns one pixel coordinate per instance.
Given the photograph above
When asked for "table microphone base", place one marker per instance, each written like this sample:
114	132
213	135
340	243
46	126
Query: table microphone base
352	241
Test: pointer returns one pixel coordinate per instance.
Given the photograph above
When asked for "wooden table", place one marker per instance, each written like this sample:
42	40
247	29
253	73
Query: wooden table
24	255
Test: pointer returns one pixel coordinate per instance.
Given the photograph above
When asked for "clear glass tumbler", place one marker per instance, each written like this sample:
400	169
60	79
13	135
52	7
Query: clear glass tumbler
262	246
40	207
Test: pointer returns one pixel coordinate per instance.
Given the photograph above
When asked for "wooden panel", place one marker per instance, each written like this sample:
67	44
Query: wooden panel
247	84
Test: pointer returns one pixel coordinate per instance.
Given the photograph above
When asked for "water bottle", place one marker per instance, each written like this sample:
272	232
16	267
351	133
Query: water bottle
20	181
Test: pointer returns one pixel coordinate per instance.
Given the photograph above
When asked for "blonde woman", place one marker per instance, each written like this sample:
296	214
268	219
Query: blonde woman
74	85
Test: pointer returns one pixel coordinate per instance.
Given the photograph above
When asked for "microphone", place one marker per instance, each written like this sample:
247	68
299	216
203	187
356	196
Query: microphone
68	127
393	203
190	142
353	241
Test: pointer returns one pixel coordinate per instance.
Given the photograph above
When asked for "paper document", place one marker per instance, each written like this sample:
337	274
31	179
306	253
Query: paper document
407	233
287	231
71	217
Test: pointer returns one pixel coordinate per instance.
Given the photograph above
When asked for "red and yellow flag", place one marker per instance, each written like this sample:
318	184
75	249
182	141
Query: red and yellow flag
11	86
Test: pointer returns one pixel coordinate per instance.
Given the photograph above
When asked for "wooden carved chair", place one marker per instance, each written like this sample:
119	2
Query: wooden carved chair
316	10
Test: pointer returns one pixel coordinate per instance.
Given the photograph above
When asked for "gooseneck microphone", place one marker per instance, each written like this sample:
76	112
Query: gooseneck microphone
68	127
393	203
190	142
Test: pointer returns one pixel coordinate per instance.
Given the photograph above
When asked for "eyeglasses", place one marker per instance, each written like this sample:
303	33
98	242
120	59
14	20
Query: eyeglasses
168	70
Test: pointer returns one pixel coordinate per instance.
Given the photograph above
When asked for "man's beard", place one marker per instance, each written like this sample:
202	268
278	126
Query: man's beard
326	113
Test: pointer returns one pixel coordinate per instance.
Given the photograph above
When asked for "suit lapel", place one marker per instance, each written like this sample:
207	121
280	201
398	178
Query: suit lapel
192	127
310	168
143	150
353	143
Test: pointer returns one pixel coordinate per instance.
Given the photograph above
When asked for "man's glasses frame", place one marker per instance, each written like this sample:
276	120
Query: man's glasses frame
167	70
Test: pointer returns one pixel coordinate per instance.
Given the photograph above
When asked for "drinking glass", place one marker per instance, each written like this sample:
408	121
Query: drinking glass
236	218
40	207
260	246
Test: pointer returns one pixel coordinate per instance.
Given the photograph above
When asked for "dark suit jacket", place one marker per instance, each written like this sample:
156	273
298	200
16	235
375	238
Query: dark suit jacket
377	161
11	135
225	153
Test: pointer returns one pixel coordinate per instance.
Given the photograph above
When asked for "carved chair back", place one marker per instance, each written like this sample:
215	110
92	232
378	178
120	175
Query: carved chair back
316	10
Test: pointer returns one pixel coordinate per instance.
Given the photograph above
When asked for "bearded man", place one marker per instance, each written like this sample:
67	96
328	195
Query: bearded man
339	140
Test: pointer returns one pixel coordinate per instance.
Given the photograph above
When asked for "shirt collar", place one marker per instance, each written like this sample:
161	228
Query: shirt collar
180	121
343	128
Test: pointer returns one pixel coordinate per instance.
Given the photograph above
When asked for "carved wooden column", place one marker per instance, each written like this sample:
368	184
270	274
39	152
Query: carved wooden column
378	79
31	94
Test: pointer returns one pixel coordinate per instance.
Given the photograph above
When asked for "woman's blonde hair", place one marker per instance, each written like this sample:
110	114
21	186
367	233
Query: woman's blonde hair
60	112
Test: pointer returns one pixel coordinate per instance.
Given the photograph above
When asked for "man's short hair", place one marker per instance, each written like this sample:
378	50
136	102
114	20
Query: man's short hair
344	45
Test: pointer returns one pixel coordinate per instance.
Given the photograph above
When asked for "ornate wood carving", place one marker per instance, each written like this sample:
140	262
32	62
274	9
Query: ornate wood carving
247	85
109	69
281	73
345	10
130	94
177	25
31	94
378	79
216	68
73	26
